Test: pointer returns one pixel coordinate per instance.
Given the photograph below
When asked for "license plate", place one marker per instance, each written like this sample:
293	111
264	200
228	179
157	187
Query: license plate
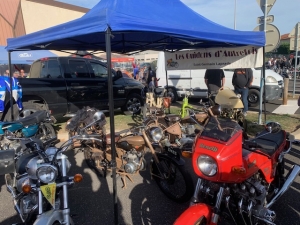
49	192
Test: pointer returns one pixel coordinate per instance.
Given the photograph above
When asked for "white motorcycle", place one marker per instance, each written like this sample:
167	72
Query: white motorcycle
38	182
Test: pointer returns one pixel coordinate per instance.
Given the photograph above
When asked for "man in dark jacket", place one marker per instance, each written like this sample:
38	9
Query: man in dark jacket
241	80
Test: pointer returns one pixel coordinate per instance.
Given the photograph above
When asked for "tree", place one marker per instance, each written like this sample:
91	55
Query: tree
284	49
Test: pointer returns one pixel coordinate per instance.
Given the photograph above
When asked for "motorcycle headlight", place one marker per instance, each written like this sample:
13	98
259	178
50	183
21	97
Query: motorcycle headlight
156	133
207	165
47	173
271	79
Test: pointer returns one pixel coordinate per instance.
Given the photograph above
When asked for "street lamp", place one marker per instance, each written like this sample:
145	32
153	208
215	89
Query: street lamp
234	14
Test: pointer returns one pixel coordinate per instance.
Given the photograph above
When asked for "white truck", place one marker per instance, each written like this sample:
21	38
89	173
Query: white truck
181	80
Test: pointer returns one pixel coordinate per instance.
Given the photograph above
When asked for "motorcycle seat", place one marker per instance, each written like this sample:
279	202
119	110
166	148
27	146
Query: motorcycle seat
270	142
108	138
172	118
33	118
36	117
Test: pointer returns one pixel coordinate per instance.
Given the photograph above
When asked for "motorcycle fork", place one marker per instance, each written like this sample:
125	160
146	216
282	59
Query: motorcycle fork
195	198
65	190
215	215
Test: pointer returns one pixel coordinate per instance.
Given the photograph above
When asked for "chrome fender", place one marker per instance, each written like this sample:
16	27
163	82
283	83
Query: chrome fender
49	217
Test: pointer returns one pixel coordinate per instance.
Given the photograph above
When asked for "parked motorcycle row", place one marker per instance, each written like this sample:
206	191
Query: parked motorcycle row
239	178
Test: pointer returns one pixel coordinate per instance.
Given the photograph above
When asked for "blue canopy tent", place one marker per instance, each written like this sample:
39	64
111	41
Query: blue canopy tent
115	26
23	57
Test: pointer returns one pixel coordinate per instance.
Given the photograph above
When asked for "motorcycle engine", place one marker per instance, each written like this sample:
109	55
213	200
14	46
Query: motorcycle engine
10	144
134	161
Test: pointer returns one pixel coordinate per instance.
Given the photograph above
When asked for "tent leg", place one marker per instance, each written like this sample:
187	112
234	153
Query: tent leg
10	87
112	123
169	109
264	79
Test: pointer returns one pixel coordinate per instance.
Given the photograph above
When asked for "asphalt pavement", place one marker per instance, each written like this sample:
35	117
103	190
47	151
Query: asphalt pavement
142	202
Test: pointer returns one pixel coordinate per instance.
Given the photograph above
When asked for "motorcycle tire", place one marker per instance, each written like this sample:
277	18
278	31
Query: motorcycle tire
177	183
45	132
92	163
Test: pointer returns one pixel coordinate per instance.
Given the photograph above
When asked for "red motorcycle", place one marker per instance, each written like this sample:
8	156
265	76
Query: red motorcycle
239	180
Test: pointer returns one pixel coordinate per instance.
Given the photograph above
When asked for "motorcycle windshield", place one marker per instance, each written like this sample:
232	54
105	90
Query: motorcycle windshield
221	129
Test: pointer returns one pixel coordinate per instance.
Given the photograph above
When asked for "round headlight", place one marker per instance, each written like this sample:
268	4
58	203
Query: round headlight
156	133
47	173
238	95
207	165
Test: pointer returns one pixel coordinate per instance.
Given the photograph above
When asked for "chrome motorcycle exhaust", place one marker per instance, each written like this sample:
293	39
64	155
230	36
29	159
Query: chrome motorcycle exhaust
291	176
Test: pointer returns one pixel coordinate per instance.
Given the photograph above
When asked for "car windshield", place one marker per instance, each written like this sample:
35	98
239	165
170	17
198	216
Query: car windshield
220	129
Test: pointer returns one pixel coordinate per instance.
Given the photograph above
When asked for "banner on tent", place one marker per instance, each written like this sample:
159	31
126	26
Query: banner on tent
215	58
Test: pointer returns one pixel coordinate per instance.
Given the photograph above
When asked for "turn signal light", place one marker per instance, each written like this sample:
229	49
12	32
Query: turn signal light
187	154
77	178
26	188
238	170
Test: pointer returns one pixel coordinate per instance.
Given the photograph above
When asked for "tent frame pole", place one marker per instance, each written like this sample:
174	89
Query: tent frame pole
10	87
264	80
112	122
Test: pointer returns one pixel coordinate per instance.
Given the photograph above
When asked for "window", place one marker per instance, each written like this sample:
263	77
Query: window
99	70
53	69
35	70
78	69
44	70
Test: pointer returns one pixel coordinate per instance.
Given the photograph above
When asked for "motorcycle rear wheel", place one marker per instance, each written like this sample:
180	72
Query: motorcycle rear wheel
176	183
45	132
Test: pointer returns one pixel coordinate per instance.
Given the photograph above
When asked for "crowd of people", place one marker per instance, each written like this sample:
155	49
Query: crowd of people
280	63
146	75
16	74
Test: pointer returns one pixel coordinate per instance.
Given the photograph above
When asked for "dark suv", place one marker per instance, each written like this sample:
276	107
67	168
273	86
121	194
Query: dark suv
65	84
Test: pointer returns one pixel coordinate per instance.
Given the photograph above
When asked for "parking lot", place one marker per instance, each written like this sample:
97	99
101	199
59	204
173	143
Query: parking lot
142	202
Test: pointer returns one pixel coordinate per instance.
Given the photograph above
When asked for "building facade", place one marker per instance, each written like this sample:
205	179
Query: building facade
20	17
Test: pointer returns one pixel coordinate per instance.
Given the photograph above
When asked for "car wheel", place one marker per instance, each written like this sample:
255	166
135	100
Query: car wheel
253	97
173	94
133	104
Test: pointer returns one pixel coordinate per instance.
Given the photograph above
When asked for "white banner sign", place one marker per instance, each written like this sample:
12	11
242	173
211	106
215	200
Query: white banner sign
215	58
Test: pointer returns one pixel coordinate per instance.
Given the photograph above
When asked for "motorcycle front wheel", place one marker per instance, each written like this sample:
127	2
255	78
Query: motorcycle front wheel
173	179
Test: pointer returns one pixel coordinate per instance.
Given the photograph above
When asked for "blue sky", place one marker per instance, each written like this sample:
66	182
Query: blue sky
286	12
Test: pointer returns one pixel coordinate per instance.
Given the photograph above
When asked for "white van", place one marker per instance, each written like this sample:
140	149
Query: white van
181	80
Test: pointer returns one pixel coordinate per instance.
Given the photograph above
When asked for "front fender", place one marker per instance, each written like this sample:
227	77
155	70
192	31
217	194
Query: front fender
193	214
49	217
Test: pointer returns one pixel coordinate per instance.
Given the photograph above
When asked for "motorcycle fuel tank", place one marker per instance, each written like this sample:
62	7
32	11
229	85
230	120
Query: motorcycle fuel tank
129	142
11	126
30	130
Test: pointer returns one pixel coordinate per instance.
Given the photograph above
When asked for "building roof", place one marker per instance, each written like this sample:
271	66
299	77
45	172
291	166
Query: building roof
284	37
59	5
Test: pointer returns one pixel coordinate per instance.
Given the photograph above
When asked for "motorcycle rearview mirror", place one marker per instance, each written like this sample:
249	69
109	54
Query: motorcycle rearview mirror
216	110
273	127
96	117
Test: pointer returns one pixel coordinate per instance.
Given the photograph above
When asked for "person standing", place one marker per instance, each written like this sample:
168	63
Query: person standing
241	80
6	73
214	80
22	74
136	72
